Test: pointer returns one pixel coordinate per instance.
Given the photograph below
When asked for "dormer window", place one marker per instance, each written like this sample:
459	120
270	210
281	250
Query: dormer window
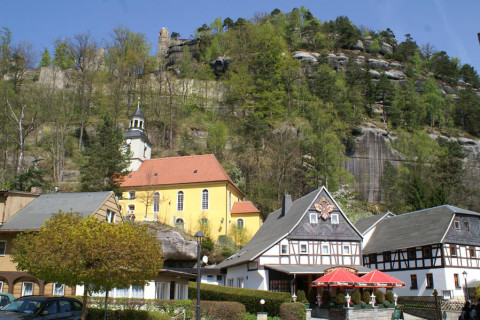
457	225
313	218
110	217
334	218
467	225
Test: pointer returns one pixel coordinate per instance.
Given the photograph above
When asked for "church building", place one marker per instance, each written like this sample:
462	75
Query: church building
191	192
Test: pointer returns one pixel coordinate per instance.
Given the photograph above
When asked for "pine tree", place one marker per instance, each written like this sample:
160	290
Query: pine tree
46	59
105	159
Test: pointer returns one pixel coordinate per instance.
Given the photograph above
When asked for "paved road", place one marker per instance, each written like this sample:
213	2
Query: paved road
406	316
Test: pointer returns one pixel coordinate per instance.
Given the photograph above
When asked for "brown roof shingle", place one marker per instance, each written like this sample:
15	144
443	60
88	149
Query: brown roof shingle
178	170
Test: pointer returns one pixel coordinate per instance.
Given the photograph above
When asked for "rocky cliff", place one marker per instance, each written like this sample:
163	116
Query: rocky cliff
373	149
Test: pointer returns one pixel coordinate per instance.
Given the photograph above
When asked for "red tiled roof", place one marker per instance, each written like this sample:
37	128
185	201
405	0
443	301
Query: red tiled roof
244	207
178	170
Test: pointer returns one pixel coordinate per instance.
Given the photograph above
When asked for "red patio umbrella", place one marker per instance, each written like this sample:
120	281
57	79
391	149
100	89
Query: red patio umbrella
379	279
337	278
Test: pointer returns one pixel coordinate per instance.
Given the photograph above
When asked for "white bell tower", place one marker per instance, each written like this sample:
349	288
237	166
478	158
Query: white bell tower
137	141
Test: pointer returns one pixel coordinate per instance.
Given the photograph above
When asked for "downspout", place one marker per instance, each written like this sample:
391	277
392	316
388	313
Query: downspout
226	208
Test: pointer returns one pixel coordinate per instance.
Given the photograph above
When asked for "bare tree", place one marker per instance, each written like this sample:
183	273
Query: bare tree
88	59
23	128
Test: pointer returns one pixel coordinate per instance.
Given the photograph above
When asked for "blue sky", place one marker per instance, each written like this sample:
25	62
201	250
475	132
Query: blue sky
449	25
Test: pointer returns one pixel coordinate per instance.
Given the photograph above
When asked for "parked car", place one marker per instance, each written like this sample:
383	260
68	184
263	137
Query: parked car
40	307
5	298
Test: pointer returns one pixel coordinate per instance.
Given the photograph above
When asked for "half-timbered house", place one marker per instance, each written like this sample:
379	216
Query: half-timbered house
427	249
295	245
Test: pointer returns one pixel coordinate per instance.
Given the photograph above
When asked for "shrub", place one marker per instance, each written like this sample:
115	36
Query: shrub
366	296
340	299
98	314
363	305
386	304
292	311
389	296
301	296
379	297
326	298
356	297
223	310
248	297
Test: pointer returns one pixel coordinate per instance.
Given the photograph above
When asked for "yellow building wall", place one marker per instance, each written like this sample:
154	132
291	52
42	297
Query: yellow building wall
218	214
6	263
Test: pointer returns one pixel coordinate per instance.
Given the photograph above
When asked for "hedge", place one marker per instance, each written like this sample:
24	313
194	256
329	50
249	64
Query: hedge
166	309
248	297
292	311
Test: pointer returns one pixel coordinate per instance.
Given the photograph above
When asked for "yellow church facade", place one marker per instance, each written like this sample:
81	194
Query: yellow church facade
191	193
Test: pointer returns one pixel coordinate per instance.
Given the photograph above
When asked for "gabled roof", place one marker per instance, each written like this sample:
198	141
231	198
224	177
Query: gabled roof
33	215
244	207
275	228
413	229
178	170
365	224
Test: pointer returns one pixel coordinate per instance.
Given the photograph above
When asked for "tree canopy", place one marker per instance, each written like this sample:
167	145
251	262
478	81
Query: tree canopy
98	255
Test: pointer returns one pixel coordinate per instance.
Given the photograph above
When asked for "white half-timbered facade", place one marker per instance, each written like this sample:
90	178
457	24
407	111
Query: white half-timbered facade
295	245
427	249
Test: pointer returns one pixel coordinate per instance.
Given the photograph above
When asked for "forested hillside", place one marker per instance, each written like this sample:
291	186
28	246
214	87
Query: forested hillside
279	98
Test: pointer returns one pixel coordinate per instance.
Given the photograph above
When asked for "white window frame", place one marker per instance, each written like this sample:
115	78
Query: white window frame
129	208
240	283
162	293
180	201
130	193
327	245
137	296
282	246
456	224
203	221
23	288
4	252
303	248
334	218
205	200
240	223
313	218
181	291
156	202
60	287
349	249
179	218
110	216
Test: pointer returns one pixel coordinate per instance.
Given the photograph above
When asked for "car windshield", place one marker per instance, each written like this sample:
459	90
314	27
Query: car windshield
23	306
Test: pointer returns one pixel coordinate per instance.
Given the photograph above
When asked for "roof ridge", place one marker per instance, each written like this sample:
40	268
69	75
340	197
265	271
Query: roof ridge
178	157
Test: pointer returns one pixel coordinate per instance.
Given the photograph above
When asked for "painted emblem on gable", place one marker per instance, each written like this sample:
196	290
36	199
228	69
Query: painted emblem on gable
324	208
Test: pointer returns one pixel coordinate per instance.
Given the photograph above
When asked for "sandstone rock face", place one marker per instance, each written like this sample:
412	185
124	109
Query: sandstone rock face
175	246
305	57
395	75
386	48
373	149
378	64
366	163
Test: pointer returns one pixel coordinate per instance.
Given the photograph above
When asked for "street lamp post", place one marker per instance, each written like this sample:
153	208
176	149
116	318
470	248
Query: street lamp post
262	303
199	236
464	273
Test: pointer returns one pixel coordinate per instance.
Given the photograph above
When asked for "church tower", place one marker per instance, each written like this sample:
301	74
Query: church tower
137	141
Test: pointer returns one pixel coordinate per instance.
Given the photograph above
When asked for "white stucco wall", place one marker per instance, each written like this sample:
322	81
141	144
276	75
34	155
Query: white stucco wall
443	280
253	279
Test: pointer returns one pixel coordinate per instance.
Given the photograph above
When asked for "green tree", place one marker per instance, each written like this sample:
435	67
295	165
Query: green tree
25	181
467	111
433	101
98	255
62	56
470	75
105	160
46	59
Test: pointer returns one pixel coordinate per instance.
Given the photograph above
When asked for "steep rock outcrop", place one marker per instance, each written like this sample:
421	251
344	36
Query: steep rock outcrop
367	161
175	246
373	149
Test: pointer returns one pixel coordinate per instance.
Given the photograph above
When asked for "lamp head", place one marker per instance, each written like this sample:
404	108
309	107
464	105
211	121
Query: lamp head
464	273
199	235
262	301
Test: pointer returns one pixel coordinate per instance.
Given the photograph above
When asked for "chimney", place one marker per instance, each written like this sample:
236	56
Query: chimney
36	190
287	203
